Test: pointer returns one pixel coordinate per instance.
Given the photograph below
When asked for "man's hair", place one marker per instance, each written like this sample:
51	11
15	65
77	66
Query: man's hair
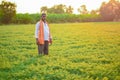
43	14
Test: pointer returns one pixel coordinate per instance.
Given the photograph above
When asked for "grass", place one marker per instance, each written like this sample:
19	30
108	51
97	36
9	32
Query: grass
80	51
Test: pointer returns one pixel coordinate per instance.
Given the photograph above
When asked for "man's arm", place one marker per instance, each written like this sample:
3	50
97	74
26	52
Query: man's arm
36	32
50	38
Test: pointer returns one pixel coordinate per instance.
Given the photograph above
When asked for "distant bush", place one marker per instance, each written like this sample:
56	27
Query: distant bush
22	19
89	18
55	18
35	17
61	18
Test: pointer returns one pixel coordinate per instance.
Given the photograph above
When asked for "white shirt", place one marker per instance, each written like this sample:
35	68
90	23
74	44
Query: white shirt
46	30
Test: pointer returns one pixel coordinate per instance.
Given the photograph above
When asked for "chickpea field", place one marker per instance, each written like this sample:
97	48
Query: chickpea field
80	51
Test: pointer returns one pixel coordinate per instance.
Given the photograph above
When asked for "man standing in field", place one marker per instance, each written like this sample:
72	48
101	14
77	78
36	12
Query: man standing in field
42	35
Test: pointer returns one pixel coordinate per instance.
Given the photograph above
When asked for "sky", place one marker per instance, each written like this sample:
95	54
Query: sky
33	6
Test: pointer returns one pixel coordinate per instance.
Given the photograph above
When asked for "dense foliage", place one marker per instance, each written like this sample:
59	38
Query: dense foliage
109	11
55	18
7	12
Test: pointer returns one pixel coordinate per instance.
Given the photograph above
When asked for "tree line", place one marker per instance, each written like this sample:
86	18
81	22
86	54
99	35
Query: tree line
108	11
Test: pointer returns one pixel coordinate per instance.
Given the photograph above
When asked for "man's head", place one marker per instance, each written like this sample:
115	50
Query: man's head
43	16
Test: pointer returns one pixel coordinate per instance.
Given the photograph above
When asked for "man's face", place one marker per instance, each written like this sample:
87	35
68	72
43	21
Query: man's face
43	17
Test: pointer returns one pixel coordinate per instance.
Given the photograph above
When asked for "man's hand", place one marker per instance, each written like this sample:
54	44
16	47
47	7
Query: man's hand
50	41
37	41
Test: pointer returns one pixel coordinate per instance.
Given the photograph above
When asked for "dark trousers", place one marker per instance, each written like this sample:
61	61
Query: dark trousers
43	49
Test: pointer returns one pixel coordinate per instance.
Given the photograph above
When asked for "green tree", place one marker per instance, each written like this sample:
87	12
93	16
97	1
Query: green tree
69	10
58	9
7	11
43	9
111	10
83	9
94	12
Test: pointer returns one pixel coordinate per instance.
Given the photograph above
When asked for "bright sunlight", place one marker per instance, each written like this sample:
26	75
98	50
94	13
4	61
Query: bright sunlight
33	6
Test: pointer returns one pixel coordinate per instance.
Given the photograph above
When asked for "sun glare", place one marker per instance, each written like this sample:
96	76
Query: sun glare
33	6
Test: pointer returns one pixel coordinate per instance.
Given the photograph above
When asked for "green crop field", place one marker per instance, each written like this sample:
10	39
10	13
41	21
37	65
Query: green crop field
80	51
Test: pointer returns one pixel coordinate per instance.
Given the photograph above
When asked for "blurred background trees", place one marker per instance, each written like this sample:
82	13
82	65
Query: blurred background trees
7	12
108	11
57	9
83	9
69	10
